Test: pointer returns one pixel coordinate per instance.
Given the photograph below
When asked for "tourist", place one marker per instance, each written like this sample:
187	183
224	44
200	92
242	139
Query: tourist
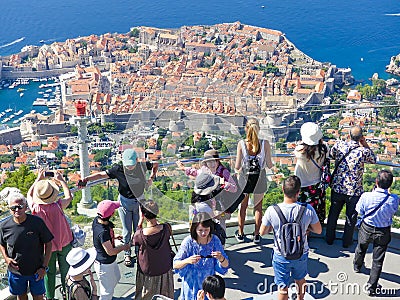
131	176
104	241
253	155
311	154
154	272
213	288
350	157
376	209
206	188
201	254
211	164
78	287
25	243
43	202
285	267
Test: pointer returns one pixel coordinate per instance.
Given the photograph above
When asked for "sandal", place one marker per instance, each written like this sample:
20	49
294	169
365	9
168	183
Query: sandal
127	261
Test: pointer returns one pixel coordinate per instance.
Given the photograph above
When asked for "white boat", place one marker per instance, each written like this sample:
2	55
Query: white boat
8	110
21	94
41	92
45	112
48	90
16	121
11	116
32	111
53	103
39	102
46	95
19	112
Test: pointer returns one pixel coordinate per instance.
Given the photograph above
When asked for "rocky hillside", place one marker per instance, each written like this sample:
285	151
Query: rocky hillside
394	66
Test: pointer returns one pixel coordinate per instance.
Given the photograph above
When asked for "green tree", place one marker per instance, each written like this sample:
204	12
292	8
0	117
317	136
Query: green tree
22	179
134	33
390	109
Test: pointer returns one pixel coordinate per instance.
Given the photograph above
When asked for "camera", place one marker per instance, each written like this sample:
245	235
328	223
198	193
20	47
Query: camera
49	174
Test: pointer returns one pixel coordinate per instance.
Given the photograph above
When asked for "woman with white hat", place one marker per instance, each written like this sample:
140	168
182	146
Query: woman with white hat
78	287
43	201
311	154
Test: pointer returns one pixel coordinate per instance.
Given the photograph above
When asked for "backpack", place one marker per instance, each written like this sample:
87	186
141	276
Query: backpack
291	243
219	232
251	163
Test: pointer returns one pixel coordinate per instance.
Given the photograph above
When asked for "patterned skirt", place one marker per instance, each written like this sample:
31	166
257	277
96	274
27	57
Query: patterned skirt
315	196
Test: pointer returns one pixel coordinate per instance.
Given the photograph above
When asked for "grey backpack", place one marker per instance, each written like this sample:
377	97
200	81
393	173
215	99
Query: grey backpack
291	243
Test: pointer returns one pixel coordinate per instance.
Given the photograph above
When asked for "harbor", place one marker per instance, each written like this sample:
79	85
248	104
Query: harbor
20	97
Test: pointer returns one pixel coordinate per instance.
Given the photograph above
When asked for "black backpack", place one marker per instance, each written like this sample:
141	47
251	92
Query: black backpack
251	165
291	235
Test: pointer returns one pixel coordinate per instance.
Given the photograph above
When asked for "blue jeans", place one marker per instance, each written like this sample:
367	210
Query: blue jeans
129	215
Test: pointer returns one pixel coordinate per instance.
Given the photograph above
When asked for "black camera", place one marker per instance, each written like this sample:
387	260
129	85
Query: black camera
49	174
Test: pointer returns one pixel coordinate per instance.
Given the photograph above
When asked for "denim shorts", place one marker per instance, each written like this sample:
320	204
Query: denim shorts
284	268
19	284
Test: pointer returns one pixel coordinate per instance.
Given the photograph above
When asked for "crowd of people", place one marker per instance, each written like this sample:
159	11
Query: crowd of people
32	244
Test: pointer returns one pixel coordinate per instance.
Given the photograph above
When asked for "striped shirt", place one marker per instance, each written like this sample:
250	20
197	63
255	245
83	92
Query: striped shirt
383	217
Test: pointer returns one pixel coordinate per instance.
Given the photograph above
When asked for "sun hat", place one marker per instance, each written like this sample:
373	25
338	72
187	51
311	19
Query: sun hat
310	133
80	260
129	157
211	154
45	192
107	207
206	183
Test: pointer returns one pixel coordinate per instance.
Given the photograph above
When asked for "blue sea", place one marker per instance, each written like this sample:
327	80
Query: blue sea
360	34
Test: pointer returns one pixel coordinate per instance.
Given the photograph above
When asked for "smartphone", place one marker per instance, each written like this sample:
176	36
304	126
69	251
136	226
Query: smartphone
49	174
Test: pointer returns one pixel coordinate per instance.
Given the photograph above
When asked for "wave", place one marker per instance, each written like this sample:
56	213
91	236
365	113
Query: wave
13	42
395	15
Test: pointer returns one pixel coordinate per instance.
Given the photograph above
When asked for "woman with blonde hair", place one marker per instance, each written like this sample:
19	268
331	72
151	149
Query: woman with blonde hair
253	155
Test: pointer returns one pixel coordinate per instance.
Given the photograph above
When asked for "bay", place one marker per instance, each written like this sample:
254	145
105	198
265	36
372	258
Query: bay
360	34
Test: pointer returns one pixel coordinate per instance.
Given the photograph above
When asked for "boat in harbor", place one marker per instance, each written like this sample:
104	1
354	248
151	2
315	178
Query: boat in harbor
8	110
21	94
19	112
21	90
39	102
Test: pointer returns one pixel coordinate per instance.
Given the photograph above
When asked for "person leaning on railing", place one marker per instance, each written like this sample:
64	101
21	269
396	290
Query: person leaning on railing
131	176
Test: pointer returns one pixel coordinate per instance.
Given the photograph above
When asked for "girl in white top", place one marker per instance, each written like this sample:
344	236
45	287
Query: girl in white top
311	154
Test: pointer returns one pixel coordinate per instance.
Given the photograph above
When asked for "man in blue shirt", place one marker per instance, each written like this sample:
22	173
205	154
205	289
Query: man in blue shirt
375	227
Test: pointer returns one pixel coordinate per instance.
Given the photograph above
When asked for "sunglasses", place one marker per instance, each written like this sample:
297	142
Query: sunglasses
15	207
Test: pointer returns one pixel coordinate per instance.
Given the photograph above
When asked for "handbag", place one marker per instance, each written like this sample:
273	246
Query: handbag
360	218
78	234
326	176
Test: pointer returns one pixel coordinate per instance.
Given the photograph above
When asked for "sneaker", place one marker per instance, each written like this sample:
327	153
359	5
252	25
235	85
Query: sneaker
239	237
356	269
256	238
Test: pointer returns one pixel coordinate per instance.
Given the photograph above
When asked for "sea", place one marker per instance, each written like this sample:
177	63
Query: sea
360	34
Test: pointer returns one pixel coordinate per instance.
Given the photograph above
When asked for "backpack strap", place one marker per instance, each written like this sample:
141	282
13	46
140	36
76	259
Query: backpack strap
280	214
74	287
301	213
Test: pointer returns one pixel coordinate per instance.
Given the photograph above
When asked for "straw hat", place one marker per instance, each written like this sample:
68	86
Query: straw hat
211	154
45	192
80	260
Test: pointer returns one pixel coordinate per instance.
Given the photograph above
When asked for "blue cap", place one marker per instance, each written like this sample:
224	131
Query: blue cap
129	157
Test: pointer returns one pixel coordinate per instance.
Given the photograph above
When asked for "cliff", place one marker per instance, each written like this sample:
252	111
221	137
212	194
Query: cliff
394	66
